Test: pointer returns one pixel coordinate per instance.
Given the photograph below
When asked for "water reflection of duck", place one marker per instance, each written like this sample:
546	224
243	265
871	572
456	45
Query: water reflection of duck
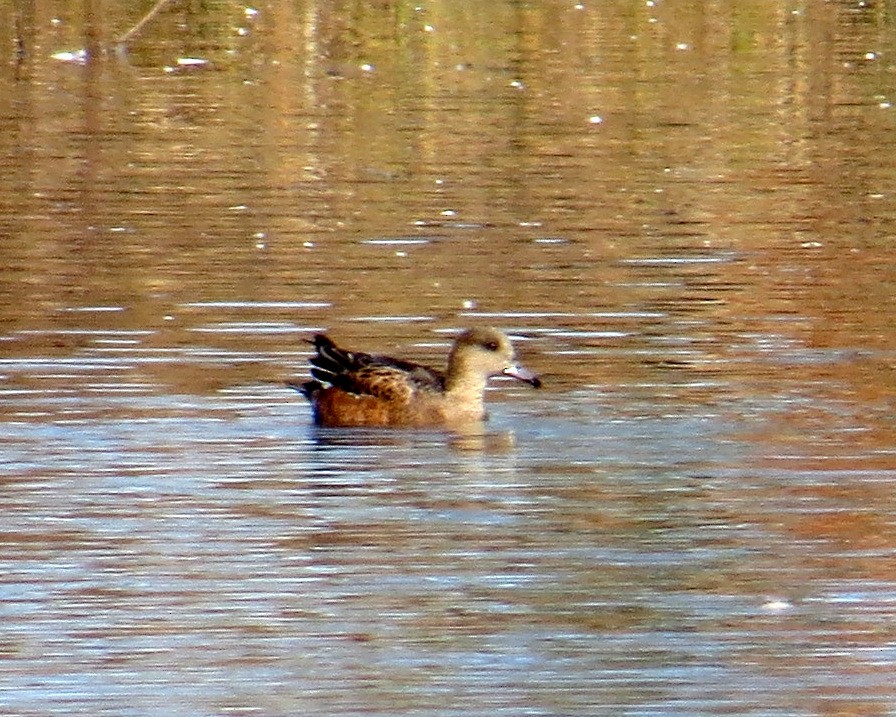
359	389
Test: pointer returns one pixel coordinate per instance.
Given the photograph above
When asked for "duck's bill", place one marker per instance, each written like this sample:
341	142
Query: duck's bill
522	374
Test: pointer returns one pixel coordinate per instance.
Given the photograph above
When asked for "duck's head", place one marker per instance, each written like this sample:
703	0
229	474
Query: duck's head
488	352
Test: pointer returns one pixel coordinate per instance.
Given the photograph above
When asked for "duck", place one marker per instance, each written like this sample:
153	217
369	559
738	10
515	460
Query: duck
355	389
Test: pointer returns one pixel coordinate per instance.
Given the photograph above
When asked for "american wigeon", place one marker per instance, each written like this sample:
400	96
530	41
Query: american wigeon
359	389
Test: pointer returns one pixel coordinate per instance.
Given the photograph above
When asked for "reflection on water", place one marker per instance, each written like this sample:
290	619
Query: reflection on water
685	217
350	570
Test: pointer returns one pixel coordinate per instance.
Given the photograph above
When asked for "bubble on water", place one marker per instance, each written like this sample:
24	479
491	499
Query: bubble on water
77	57
776	605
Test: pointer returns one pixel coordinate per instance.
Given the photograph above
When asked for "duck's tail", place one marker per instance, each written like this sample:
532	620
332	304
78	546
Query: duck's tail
330	361
307	388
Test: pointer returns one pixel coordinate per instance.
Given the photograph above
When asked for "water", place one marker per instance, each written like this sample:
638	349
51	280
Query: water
684	215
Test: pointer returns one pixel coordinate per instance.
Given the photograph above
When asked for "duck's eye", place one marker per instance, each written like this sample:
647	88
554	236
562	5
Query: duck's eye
490	345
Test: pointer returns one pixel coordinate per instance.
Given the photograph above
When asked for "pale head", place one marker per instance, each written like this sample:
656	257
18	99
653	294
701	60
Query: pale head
485	352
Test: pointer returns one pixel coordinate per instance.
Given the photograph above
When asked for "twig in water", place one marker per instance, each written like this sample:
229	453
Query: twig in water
130	34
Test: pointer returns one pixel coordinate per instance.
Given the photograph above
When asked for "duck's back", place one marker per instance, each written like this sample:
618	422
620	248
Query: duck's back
361	389
365	374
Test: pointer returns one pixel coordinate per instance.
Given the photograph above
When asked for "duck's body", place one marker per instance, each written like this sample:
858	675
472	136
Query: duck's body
359	389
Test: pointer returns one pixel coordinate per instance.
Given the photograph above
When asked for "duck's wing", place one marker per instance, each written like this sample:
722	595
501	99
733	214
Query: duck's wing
385	377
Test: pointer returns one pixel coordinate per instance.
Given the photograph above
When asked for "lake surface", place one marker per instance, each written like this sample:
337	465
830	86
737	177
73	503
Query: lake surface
685	215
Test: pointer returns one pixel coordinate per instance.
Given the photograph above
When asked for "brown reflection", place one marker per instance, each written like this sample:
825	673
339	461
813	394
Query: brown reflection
536	155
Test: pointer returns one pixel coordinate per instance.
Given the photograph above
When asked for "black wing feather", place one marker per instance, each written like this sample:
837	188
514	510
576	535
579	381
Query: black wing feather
346	369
